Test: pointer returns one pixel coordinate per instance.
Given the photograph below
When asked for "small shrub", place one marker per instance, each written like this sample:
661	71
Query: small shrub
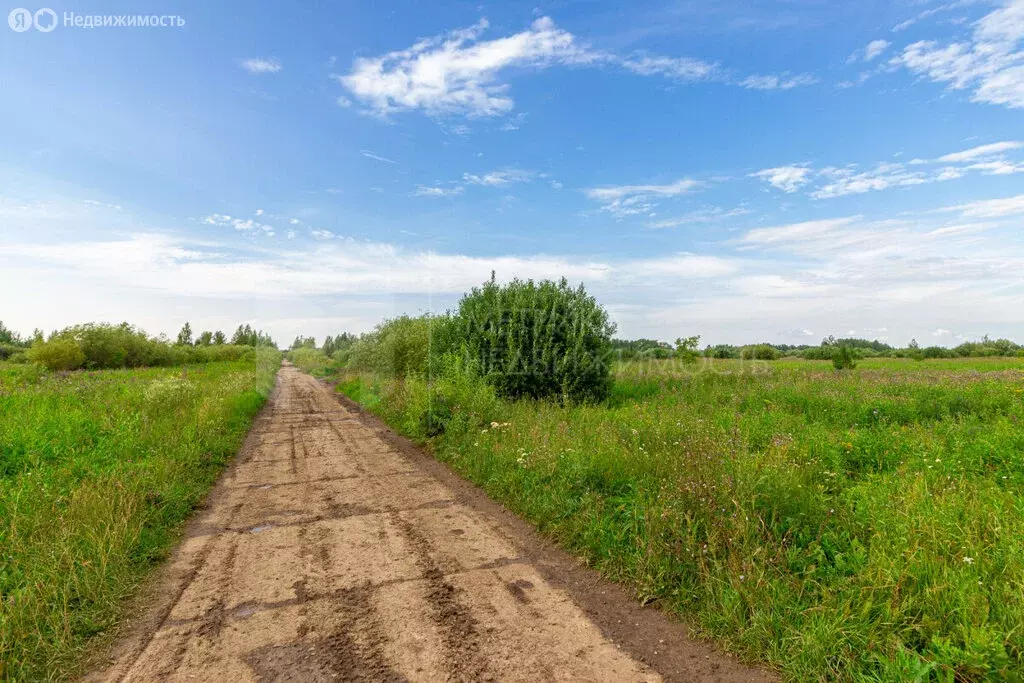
760	352
57	355
843	359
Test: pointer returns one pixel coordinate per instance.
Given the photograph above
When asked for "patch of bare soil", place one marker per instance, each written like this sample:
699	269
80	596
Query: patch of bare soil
333	550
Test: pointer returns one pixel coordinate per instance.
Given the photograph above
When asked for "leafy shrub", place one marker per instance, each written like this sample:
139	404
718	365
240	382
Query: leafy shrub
760	352
8	350
404	346
686	349
722	351
536	340
843	359
310	360
57	355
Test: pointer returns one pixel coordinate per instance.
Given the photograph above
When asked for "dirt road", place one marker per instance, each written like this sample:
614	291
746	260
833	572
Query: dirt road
332	550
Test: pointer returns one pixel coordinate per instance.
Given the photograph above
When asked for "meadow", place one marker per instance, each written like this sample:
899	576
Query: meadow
98	472
863	524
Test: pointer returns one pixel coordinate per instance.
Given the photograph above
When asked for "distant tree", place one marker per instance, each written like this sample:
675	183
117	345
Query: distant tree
205	339
8	336
686	349
218	338
185	335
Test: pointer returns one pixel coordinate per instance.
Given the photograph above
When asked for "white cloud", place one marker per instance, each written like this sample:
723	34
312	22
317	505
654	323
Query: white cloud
784	81
997	167
678	68
376	157
846	181
261	65
710	215
991	62
679	187
497	178
875	48
982	151
635	200
991	208
459	73
785	178
428	191
869	52
240	224
795	231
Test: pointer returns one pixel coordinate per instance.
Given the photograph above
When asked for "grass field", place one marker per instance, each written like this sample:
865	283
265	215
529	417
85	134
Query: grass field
856	525
98	471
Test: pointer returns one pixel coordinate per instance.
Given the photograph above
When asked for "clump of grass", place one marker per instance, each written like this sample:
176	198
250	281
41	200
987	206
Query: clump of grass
858	525
98	471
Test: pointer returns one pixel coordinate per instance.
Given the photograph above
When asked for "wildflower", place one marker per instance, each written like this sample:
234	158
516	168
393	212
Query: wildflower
968	560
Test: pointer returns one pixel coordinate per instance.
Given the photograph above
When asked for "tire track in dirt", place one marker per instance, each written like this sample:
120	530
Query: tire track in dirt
333	551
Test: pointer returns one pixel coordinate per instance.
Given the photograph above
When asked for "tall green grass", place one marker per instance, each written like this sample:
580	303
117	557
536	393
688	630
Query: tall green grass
856	525
98	471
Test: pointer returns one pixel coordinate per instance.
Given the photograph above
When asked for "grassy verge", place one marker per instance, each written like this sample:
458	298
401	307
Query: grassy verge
98	471
863	525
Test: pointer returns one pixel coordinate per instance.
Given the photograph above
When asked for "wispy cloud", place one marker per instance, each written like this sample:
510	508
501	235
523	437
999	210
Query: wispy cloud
459	73
991	208
702	216
784	81
635	200
982	151
436	191
261	65
786	178
497	178
376	157
240	224
677	68
991	63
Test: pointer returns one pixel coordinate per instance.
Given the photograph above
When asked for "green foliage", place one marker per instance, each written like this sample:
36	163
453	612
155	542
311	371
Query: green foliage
641	349
342	342
219	338
98	471
536	340
405	346
838	526
313	361
245	335
185	335
9	337
303	343
722	351
843	358
760	352
205	339
57	355
686	349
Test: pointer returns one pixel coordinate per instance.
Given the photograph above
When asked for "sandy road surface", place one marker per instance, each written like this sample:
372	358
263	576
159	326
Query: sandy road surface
328	552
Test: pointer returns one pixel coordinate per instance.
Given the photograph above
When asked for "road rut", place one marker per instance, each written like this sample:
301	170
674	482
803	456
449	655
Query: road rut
326	553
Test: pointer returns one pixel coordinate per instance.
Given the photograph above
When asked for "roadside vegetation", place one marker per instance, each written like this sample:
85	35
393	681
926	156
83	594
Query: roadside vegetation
99	469
854	513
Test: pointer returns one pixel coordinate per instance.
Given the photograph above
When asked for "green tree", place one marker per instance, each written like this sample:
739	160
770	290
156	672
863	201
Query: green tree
185	335
686	349
538	339
218	338
205	339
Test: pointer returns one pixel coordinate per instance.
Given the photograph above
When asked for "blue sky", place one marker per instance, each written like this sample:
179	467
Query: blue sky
772	170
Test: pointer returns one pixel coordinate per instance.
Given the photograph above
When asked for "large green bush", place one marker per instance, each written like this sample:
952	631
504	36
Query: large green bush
537	339
57	355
